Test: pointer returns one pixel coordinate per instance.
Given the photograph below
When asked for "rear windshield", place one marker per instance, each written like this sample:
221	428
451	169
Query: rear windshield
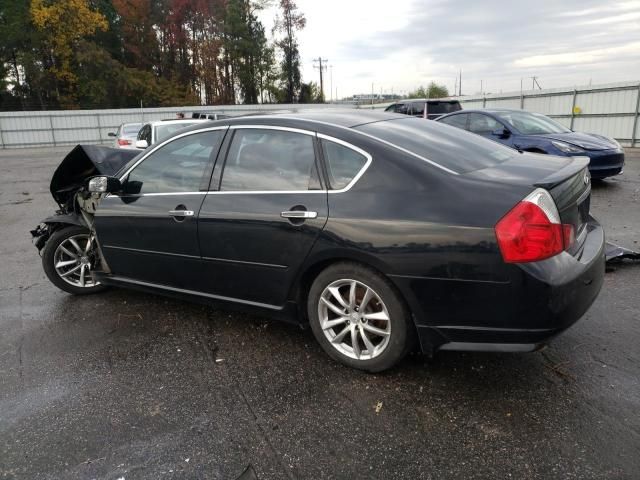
448	146
444	107
131	128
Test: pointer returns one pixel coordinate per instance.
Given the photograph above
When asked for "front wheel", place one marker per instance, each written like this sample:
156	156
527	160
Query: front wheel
358	317
69	257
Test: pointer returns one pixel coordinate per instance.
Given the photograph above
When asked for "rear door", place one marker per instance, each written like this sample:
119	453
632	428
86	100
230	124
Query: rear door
263	215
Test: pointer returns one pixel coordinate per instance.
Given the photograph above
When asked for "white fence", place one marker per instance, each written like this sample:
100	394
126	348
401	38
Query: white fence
69	127
610	110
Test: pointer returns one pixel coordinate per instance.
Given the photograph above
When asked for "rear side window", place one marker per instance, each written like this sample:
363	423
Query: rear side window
459	121
417	108
270	160
440	108
343	163
456	150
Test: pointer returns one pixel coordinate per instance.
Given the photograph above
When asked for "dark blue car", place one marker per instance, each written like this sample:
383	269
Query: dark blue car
533	132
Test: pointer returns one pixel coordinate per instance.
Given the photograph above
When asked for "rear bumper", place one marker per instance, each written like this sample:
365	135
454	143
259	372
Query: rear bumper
605	163
540	301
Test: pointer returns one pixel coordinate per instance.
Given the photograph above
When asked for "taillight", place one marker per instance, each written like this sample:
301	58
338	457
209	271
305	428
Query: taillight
124	141
532	231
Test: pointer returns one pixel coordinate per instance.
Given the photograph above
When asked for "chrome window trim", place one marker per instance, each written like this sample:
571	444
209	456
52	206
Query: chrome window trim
373	137
274	127
369	160
169	140
262	192
350	146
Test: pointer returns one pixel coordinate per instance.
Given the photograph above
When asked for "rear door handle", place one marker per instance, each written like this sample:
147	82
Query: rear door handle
181	213
299	214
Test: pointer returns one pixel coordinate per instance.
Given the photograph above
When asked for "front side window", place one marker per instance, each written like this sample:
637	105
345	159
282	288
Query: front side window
271	160
343	163
483	124
177	166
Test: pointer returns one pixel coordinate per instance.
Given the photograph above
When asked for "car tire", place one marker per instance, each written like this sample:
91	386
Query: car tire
359	317
68	262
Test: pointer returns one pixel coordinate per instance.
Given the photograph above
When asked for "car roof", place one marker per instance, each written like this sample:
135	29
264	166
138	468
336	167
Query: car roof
428	100
177	120
488	110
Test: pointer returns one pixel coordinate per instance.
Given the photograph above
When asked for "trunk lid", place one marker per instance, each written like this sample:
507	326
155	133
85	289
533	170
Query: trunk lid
567	179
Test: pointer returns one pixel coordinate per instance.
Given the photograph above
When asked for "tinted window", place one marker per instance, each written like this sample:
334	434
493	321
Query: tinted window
483	124
343	163
459	121
443	107
269	160
531	123
401	108
417	108
145	134
454	149
177	166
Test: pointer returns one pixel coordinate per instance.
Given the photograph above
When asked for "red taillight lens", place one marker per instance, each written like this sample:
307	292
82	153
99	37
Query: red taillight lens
124	141
528	234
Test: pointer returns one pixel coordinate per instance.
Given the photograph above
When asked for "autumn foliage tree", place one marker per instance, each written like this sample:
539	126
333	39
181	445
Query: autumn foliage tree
119	53
288	23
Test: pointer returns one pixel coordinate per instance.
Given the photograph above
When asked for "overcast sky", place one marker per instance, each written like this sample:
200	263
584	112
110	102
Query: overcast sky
402	44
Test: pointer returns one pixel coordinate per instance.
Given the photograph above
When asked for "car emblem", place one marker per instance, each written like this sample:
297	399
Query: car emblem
586	178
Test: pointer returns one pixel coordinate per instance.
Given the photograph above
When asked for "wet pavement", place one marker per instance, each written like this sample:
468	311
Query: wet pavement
131	385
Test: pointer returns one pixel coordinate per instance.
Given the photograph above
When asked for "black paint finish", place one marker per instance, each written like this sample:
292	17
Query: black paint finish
429	231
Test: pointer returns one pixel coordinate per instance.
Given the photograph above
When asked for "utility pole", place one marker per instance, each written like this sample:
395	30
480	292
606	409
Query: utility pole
460	84
331	81
322	68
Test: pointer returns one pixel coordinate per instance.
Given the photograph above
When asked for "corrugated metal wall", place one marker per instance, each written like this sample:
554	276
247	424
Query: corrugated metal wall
610	110
53	128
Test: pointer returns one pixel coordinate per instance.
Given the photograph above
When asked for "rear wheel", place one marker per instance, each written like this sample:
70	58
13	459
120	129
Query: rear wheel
358	317
69	257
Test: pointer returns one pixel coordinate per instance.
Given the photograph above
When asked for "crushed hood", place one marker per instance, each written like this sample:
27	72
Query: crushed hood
83	162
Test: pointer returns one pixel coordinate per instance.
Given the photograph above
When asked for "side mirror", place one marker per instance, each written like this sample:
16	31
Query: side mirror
112	134
104	184
141	144
501	133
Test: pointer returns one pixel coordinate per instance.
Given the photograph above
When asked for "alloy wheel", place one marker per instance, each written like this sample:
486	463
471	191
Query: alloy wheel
354	319
74	259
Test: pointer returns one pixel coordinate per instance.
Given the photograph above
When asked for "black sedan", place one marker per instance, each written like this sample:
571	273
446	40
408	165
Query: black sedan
381	232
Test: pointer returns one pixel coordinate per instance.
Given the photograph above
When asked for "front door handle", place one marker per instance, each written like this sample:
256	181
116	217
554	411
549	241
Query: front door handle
181	213
299	214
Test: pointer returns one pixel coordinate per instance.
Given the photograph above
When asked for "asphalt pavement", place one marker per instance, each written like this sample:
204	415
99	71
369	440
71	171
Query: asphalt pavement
131	385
